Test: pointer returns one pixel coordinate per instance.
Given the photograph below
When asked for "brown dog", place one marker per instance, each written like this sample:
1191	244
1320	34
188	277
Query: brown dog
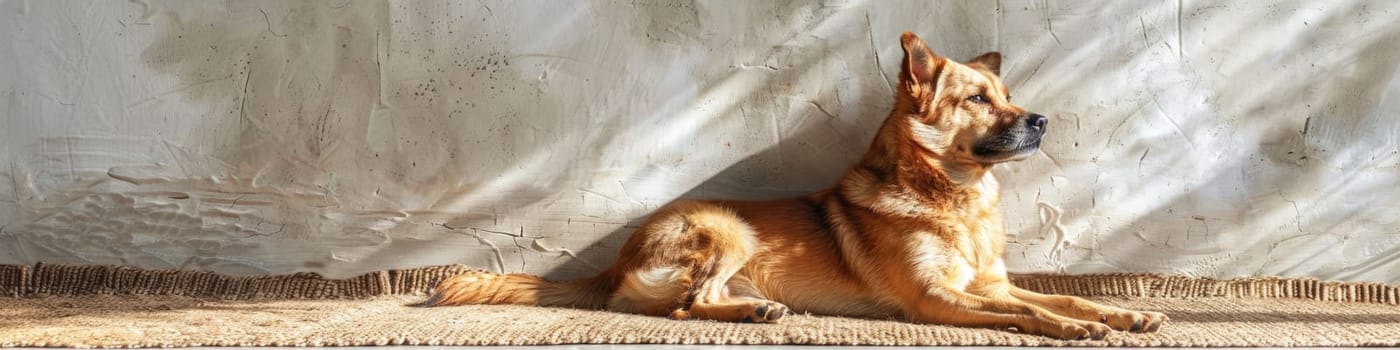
913	229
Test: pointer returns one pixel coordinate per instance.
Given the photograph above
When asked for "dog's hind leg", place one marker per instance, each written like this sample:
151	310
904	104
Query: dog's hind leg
682	260
737	301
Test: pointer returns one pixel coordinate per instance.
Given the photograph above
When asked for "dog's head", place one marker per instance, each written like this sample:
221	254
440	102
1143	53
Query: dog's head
960	113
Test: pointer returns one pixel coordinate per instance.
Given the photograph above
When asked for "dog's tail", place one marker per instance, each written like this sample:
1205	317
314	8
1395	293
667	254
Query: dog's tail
480	287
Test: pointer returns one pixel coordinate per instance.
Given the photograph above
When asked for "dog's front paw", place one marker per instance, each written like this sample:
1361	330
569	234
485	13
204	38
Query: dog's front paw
1134	321
1097	331
1155	320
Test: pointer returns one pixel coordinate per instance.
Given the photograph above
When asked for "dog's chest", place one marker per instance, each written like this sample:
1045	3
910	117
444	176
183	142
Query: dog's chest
958	249
947	260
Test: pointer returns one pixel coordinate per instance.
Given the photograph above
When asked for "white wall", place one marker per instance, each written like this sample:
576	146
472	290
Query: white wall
250	137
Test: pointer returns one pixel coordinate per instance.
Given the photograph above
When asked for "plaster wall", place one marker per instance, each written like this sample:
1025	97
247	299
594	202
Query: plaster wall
256	137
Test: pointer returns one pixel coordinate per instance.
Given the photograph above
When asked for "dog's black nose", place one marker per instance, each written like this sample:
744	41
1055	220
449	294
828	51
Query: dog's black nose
1036	121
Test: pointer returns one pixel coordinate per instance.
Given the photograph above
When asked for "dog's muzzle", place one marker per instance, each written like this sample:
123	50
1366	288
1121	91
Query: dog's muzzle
1020	140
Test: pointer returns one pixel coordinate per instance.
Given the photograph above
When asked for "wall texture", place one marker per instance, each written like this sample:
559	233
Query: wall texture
254	137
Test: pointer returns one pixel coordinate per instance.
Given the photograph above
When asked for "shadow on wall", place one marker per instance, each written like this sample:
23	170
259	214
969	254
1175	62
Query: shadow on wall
756	176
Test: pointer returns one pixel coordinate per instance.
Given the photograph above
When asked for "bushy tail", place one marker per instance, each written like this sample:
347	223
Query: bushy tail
480	287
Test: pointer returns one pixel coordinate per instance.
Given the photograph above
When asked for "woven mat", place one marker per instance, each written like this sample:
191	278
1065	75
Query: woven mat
94	306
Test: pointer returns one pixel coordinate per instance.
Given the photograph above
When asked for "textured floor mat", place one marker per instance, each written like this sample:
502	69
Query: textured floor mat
94	306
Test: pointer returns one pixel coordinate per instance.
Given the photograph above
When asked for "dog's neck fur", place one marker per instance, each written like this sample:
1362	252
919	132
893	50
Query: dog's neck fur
897	164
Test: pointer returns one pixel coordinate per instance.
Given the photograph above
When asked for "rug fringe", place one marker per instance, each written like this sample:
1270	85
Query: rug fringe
46	279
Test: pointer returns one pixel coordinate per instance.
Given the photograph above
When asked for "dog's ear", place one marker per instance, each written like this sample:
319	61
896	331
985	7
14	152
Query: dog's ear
990	61
920	64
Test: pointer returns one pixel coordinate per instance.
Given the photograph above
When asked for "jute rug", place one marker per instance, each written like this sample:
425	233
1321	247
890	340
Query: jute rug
96	306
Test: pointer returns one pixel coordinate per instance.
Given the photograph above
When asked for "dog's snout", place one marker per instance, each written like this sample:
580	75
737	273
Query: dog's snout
1036	121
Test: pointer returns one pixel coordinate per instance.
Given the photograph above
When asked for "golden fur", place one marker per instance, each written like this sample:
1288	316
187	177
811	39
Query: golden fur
912	230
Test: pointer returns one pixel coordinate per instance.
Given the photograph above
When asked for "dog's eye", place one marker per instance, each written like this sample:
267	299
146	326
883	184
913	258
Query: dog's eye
979	98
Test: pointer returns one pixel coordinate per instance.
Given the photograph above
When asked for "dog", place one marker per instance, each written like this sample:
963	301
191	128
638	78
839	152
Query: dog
913	230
